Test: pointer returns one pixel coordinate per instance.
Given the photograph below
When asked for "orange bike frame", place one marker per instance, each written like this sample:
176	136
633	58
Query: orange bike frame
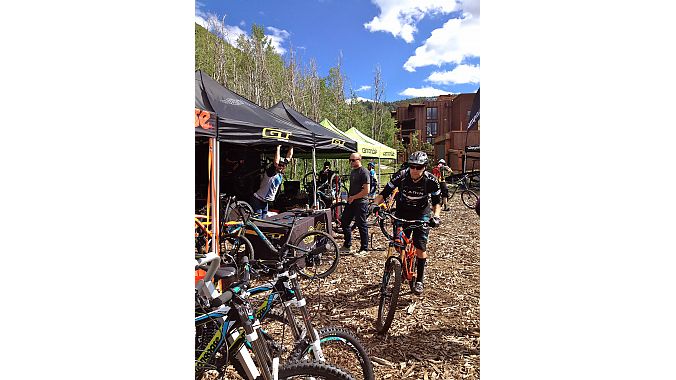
407	254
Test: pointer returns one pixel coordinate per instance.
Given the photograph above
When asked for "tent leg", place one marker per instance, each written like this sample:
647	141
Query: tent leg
379	183
314	180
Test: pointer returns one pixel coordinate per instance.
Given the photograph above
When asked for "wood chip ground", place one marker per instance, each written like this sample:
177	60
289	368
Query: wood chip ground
434	336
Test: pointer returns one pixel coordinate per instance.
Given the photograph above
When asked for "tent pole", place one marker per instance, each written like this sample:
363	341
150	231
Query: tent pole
379	183
314	179
216	194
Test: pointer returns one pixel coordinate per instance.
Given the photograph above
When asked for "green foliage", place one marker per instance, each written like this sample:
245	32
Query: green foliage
254	70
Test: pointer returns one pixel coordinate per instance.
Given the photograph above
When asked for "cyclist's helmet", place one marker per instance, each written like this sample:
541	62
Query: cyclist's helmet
442	161
371	165
418	158
283	161
327	164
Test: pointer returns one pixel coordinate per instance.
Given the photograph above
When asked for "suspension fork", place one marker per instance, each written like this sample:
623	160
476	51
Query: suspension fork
262	354
313	334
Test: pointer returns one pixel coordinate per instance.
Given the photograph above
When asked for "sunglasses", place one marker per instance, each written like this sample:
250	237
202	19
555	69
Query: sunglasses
417	167
354	159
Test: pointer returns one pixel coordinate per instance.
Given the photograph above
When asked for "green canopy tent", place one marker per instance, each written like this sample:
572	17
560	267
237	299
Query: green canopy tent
366	146
369	147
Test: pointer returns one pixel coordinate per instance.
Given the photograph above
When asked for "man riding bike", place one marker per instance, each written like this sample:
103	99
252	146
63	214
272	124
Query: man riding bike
416	187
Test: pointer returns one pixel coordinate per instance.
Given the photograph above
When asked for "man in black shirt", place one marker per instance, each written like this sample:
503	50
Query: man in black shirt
357	207
416	187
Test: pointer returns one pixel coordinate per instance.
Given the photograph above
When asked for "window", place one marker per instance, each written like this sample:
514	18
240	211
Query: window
431	131
431	113
431	128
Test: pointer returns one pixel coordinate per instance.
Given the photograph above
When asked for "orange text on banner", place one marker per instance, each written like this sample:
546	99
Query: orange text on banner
202	119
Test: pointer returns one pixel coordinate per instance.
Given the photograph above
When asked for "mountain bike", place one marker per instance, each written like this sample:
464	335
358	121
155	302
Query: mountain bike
335	344
318	248
400	262
469	197
220	320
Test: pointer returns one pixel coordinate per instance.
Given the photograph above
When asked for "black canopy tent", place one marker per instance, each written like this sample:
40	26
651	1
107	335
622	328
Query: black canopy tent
242	122
325	141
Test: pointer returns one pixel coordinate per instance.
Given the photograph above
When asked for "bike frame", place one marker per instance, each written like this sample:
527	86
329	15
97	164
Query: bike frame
403	245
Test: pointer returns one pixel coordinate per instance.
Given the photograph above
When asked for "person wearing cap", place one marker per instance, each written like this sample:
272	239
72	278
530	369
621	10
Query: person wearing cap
373	185
270	183
416	188
441	171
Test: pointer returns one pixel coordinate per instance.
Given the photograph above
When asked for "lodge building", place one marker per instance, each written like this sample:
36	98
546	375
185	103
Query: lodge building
442	122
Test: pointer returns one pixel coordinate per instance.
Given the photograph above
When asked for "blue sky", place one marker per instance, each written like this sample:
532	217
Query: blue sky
423	47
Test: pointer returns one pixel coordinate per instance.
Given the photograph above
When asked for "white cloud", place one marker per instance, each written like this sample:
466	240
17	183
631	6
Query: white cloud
277	38
231	33
201	21
425	91
363	88
460	74
357	99
400	17
242	23
456	40
218	27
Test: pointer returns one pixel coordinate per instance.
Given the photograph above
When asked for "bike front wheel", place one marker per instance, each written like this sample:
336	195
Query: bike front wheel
341	348
321	254
389	294
469	198
311	370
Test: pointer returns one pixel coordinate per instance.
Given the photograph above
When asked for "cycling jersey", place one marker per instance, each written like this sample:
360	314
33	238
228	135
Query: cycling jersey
414	197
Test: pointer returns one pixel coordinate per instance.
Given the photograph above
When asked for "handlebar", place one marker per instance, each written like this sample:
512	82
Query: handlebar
412	224
423	223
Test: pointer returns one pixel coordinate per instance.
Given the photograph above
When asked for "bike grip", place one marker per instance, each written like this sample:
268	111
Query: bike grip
223	298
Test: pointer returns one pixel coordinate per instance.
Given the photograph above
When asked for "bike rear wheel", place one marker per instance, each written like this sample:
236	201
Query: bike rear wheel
321	254
469	198
389	294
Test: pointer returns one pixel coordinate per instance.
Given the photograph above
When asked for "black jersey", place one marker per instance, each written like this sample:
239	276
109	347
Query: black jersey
414	197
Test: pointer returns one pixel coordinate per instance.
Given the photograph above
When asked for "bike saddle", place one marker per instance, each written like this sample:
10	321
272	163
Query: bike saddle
226	272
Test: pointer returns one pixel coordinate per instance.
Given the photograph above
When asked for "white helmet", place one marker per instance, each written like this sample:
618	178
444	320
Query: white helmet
442	161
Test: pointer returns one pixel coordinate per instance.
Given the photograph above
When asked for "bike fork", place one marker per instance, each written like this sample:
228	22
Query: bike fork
314	335
244	357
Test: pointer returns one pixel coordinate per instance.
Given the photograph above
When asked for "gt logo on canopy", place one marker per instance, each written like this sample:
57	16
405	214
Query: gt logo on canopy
274	133
203	119
338	142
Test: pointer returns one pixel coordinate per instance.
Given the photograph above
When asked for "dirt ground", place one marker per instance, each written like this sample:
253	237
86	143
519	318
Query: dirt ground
433	336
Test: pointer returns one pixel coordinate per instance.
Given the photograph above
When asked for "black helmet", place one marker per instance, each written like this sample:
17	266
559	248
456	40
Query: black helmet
327	164
418	158
283	161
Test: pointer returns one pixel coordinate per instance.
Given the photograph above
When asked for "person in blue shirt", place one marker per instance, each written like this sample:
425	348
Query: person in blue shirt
373	180
270	182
